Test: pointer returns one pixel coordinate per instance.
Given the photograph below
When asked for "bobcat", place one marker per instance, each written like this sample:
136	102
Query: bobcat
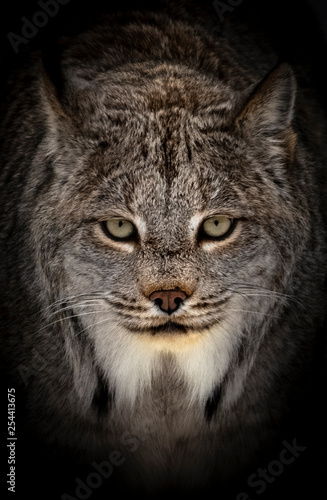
163	232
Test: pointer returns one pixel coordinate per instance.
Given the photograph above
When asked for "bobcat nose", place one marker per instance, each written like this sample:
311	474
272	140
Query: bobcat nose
168	300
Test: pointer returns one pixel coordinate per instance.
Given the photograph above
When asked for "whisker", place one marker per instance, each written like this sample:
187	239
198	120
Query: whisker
70	302
88	303
270	293
71	299
259	290
69	317
88	327
255	312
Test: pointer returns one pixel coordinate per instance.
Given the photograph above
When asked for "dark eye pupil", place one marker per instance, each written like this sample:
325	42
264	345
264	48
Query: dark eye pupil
216	223
120	223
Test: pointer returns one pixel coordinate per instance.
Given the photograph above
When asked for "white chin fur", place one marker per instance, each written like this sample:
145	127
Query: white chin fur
133	361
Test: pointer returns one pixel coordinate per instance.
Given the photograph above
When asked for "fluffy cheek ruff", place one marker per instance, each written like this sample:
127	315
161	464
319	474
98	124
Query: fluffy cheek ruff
132	362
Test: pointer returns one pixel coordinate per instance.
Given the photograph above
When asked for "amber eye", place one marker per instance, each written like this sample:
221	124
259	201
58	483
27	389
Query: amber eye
217	227
119	229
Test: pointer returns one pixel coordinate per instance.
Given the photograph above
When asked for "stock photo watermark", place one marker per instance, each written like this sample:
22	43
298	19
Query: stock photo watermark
31	27
131	441
27	373
100	473
262	478
11	441
225	7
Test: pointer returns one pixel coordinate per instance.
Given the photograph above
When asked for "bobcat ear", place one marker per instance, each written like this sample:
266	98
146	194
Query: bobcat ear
269	110
54	85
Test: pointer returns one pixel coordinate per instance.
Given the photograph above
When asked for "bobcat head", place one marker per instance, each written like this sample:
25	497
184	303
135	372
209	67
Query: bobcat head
178	219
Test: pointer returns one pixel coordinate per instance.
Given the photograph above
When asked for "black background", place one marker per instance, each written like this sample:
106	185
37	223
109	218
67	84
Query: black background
12	12
302	22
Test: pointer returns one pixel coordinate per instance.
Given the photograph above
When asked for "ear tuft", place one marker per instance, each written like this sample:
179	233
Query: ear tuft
53	81
270	107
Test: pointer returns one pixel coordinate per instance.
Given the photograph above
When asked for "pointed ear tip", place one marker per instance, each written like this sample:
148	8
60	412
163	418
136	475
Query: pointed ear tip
285	67
270	108
286	72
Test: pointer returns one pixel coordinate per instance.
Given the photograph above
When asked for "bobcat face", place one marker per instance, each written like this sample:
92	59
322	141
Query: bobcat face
176	238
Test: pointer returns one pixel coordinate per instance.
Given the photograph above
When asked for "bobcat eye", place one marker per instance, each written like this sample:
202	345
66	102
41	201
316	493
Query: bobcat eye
217	227
119	229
